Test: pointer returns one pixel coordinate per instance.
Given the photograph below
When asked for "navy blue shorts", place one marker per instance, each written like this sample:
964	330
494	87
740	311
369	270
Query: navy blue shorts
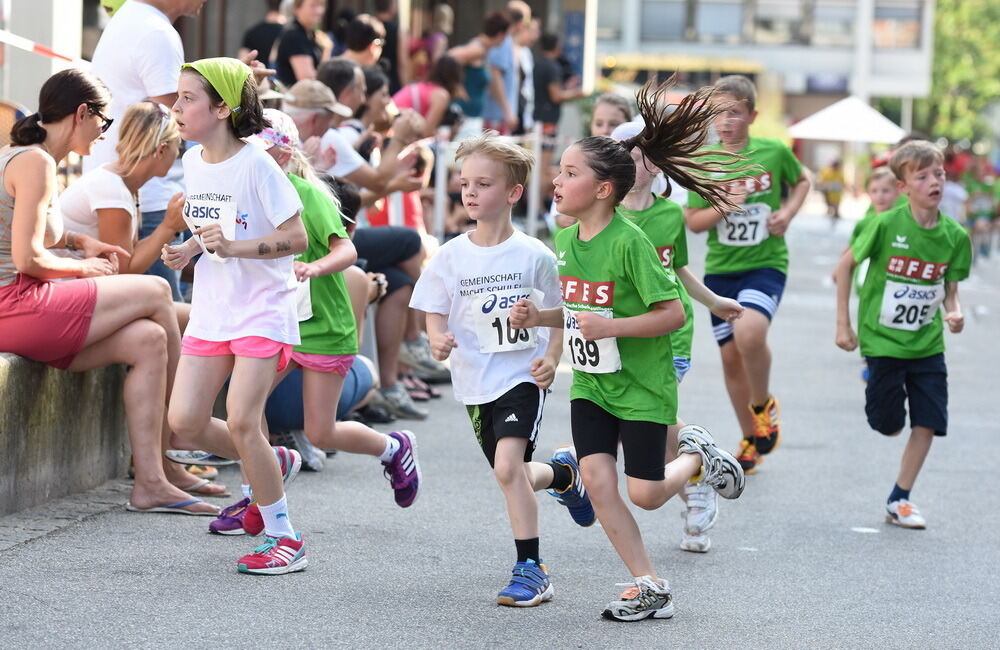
758	289
893	382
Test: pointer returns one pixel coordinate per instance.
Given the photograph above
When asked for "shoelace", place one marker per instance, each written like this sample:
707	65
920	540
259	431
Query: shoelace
266	547
714	468
643	594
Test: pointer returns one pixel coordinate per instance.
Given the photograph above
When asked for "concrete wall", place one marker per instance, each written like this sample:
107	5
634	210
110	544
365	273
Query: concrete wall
60	432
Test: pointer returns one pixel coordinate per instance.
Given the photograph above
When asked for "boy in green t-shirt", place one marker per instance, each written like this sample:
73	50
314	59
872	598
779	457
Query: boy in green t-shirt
917	256
748	260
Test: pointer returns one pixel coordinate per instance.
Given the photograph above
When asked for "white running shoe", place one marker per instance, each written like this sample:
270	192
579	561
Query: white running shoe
643	598
702	507
695	543
904	514
721	470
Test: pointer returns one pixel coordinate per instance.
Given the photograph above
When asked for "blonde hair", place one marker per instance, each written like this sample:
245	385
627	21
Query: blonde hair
880	174
299	165
739	87
515	159
145	127
914	156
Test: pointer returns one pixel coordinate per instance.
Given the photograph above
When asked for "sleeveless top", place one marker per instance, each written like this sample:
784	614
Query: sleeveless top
416	95
477	80
53	221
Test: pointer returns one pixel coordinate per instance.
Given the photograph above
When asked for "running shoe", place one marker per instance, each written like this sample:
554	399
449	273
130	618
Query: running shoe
719	468
529	586
748	456
695	543
253	521
400	404
290	462
186	457
575	496
904	514
403	470
767	427
312	457
275	556
643	599
230	520
417	355
702	508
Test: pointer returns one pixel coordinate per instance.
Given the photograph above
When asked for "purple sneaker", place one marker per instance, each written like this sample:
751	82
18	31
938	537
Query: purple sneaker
230	520
290	462
403	471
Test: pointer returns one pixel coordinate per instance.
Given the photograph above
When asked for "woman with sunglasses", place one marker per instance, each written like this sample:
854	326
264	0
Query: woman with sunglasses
98	318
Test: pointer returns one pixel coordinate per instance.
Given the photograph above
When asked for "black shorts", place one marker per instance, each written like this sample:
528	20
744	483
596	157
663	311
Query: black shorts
595	431
515	414
892	382
383	248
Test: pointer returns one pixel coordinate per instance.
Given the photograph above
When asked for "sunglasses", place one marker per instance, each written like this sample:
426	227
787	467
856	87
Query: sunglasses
164	118
104	118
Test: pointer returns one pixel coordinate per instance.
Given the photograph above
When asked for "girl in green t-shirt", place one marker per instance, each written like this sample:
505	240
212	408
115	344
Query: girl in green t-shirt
619	308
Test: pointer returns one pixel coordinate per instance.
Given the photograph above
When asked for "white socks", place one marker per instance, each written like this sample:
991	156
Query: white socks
391	447
276	522
247	491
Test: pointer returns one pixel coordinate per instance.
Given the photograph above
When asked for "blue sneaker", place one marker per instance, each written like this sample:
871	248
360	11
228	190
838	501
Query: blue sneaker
529	586
575	496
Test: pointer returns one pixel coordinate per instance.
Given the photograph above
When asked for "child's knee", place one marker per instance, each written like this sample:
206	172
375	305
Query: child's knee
644	498
507	472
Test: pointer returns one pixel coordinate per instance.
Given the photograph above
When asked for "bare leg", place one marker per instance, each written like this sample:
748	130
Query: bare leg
199	380
248	388
650	495
750	335
737	385
390	321
511	475
320	395
913	456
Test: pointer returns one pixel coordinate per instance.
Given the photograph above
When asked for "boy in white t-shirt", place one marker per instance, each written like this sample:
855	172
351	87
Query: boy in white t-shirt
500	373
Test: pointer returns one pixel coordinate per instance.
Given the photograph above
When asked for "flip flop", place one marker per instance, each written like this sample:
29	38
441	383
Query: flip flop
185	457
202	471
174	508
198	488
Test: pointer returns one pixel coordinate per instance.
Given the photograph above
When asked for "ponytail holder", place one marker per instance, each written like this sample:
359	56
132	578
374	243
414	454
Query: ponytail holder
39	116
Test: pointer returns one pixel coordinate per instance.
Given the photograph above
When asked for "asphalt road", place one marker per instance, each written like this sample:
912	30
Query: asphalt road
802	560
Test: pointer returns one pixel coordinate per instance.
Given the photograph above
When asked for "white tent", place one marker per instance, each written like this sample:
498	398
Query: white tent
849	120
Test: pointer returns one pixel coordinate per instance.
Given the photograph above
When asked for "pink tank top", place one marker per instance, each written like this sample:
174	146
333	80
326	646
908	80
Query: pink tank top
416	96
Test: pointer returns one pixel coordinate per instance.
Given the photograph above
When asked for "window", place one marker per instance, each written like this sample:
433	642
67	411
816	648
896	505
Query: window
661	20
778	22
897	24
833	23
609	20
719	21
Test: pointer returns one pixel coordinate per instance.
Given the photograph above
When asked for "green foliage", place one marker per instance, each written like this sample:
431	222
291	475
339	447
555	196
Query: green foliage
966	70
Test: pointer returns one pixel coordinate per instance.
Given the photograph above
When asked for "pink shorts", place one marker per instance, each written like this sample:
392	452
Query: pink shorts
338	363
255	347
46	321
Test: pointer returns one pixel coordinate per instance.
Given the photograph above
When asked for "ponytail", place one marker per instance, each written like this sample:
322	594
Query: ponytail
27	131
60	96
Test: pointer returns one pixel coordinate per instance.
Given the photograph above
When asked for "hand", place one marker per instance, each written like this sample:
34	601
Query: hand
379	286
213	240
594	327
176	257
405	181
322	159
777	222
305	271
408	127
95	267
543	371
846	338
260	71
510	121
91	247
523	315
442	345
727	309
955	320
174	219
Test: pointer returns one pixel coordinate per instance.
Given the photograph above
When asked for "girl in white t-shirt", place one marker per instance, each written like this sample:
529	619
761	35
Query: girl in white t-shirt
244	214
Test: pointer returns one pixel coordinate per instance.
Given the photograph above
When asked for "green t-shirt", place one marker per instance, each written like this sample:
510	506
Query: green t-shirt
901	200
744	243
898	313
618	273
331	330
663	223
982	198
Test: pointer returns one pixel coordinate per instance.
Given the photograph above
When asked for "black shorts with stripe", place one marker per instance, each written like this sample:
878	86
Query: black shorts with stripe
515	414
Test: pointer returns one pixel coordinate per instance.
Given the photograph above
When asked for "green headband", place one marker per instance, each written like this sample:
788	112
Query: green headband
227	76
112	5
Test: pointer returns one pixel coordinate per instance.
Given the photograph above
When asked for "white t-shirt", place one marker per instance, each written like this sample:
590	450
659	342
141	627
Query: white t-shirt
348	159
98	189
953	200
476	286
139	56
242	297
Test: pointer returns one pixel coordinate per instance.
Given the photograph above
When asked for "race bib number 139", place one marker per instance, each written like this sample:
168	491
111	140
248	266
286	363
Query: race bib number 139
594	357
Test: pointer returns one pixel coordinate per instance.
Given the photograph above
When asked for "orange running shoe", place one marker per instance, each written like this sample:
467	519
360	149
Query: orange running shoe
767	426
748	456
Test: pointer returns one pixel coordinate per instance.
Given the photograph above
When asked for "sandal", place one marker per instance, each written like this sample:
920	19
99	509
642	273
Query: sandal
201	471
424	386
416	394
203	488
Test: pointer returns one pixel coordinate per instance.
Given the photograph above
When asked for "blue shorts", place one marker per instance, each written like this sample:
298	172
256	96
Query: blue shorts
758	289
681	367
892	383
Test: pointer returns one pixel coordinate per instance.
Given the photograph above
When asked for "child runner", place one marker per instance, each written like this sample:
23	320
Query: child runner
329	335
662	220
501	374
620	306
245	217
918	256
748	260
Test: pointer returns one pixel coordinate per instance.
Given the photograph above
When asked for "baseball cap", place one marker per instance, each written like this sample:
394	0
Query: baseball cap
310	93
282	131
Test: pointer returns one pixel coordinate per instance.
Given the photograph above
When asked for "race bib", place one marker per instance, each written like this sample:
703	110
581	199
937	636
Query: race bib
303	300
746	227
910	306
594	357
201	212
491	316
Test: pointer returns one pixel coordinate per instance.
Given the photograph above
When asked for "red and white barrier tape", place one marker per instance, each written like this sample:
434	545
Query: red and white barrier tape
28	45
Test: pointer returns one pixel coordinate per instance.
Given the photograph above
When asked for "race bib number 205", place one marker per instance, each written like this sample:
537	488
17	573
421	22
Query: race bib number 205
910	306
593	357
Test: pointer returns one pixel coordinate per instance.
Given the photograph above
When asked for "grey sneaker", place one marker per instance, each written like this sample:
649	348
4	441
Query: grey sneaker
644	598
695	543
417	355
400	404
721	470
702	507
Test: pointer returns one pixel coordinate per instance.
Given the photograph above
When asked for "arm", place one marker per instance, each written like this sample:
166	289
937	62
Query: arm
302	66
114	226
725	308
288	239
442	341
402	56
846	339
952	308
466	54
498	94
558	94
702	219
543	368
342	254
663	317
778	221
525	314
440	98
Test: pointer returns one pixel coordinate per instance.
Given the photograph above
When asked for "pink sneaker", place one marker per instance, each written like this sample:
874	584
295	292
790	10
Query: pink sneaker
253	522
274	557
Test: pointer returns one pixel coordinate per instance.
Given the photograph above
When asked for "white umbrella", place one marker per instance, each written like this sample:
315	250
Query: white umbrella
849	120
